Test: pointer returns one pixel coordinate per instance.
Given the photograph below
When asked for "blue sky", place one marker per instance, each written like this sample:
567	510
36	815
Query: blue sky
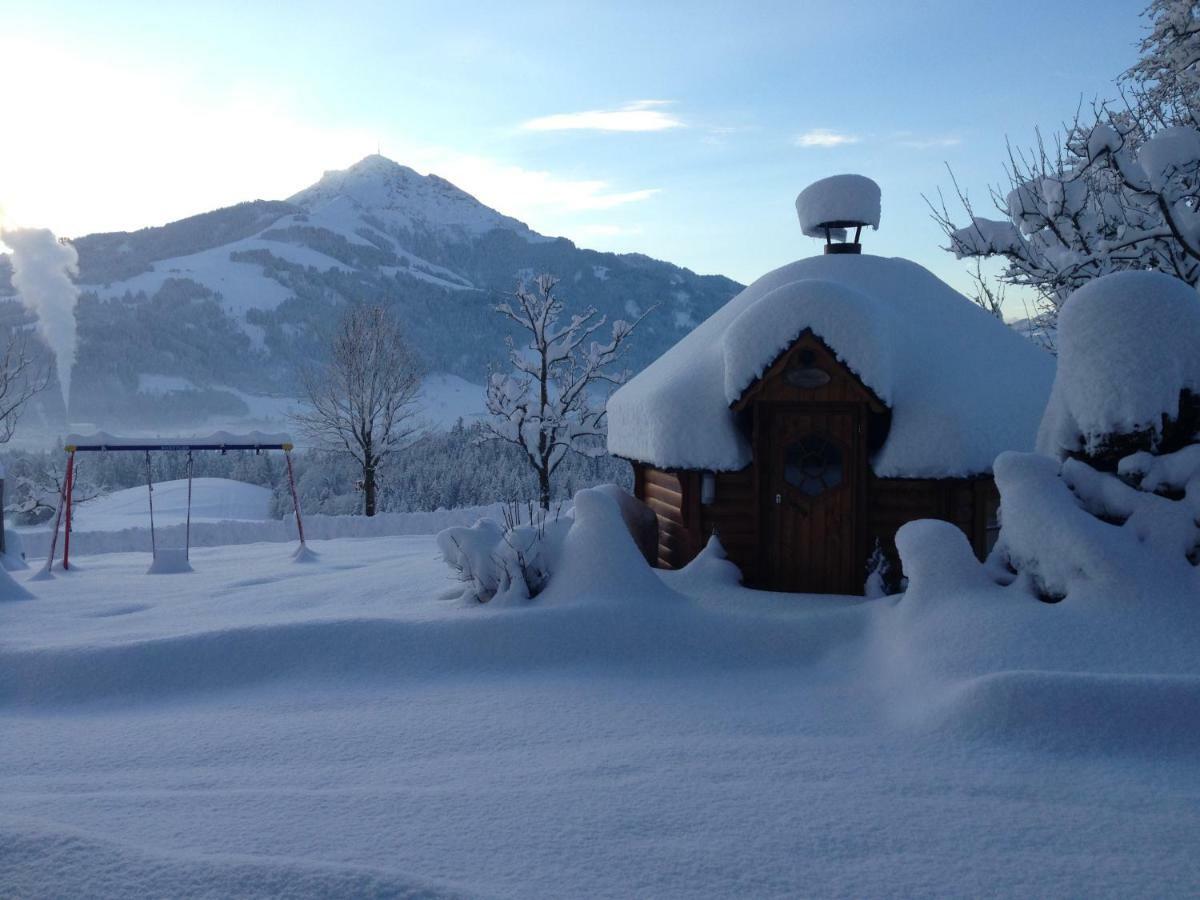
680	130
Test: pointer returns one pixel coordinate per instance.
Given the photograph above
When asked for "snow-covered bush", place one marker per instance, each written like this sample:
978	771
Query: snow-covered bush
512	561
504	562
1128	371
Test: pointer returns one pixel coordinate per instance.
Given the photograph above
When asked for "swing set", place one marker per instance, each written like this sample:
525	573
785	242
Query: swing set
222	443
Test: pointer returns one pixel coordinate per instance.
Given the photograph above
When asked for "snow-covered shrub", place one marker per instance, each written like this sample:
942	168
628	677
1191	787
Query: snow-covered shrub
1110	505
511	561
504	563
1128	370
879	581
1066	526
1115	498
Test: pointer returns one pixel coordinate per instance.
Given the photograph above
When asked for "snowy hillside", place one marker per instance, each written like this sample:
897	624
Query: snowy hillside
213	500
232	301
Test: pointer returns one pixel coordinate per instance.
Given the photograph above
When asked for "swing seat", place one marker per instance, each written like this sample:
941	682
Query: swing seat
170	561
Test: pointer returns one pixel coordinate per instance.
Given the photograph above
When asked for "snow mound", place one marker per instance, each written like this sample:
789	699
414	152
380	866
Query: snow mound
213	500
937	557
924	348
169	561
710	568
82	864
600	563
1127	348
1076	712
839	198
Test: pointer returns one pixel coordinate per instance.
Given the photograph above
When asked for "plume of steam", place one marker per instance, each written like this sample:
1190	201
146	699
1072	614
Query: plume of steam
41	274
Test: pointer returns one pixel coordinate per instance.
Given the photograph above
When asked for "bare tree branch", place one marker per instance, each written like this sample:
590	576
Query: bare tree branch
363	401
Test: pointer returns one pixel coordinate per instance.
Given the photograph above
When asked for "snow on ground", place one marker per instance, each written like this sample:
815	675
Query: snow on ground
266	727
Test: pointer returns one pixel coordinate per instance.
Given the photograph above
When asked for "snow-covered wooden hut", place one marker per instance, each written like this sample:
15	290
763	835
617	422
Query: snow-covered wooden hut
830	402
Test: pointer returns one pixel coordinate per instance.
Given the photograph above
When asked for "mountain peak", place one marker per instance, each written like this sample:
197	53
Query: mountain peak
403	198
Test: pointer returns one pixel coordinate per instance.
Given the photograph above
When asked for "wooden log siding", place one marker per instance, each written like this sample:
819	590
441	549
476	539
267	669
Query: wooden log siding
664	493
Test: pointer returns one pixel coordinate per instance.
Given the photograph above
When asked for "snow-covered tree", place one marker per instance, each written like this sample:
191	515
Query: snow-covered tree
1123	504
1165	81
363	401
550	403
1118	189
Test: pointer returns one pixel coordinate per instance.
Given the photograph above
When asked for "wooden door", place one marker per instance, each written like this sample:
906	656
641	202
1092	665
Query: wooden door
813	503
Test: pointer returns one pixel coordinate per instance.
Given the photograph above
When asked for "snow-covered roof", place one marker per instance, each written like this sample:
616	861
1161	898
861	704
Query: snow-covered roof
1128	344
962	386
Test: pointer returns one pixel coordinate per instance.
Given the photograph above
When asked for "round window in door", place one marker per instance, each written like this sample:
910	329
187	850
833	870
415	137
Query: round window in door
812	465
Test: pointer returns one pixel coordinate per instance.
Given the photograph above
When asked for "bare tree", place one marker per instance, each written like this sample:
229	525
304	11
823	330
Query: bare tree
363	401
549	403
23	373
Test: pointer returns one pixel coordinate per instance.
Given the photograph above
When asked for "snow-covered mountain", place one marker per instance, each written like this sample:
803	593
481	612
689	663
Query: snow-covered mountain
208	318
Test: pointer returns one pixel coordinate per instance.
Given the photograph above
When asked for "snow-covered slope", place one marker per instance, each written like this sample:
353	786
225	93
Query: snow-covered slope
213	500
235	300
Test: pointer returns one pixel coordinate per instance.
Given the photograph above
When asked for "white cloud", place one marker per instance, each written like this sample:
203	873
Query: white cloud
641	115
528	194
825	137
930	142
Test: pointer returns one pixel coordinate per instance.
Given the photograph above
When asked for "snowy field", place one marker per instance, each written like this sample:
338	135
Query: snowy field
267	727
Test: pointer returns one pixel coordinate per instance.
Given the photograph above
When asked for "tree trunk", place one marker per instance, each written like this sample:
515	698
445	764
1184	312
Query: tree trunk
369	490
544	488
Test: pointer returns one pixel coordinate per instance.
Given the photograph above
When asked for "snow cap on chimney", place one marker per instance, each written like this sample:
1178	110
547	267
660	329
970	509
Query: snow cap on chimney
829	207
